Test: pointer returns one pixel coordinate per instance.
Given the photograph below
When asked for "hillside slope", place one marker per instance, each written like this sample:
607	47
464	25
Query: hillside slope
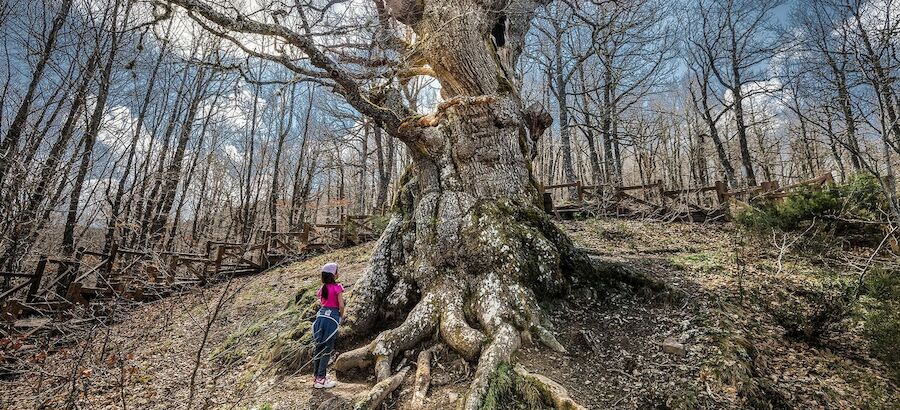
718	345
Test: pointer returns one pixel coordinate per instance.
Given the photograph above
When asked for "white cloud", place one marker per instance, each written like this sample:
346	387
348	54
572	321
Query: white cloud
118	128
233	154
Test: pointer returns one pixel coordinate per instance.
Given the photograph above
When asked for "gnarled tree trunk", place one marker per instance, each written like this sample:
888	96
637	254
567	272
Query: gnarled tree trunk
468	233
468	248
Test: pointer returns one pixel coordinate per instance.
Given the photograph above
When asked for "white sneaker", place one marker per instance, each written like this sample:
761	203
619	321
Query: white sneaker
324	384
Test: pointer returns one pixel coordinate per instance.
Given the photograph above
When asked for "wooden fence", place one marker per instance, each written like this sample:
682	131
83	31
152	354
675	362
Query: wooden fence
56	285
699	203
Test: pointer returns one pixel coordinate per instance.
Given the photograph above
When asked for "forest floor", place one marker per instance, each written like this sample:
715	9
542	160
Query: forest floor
735	352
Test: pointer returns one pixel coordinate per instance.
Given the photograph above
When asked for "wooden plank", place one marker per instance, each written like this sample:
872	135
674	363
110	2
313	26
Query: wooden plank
687	191
36	280
637	187
640	201
561	186
15	275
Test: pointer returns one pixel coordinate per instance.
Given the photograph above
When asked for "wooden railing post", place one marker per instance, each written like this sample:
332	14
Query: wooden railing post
36	279
548	203
721	192
108	266
264	255
71	272
173	269
220	254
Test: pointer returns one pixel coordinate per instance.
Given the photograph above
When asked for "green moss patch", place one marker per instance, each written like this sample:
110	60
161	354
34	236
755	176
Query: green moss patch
280	341
509	390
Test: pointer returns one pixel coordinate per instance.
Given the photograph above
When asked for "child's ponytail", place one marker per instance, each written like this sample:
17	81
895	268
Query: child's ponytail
327	278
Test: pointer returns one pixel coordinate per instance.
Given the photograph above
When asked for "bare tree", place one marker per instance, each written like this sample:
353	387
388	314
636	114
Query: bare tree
736	40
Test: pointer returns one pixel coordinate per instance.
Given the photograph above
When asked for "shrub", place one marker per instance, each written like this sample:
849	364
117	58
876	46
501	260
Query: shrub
882	317
853	209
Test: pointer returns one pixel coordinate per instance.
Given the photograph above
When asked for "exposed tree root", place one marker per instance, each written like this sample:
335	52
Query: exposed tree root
455	331
423	379
355	359
500	350
372	399
483	306
552	391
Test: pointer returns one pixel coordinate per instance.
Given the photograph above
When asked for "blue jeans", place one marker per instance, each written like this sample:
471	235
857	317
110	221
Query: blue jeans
324	334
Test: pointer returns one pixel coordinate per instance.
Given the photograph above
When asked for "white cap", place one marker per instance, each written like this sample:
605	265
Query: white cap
330	267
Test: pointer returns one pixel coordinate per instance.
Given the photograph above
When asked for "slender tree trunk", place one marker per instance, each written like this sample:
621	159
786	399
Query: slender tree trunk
152	201
361	197
849	119
276	167
302	183
565	131
28	224
247	215
172	175
9	144
594	157
702	105
381	186
90	136
116	203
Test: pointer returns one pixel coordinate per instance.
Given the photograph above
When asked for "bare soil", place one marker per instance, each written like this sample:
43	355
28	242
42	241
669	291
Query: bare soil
735	352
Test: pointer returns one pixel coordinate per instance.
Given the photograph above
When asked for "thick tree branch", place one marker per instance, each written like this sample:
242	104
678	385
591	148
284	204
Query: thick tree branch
347	85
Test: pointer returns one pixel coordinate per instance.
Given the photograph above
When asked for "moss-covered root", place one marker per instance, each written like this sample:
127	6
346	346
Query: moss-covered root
552	392
500	350
373	398
371	288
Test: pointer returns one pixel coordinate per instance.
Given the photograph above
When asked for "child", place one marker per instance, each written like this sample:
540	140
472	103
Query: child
326	325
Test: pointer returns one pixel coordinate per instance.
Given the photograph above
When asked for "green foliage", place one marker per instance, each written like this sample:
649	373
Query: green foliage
844	210
882	317
379	224
281	340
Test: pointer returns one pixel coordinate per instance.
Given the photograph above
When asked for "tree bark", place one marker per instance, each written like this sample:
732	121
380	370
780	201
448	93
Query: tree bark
561	86
17	126
469	248
90	136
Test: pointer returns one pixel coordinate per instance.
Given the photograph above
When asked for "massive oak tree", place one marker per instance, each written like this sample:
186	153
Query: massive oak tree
468	249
